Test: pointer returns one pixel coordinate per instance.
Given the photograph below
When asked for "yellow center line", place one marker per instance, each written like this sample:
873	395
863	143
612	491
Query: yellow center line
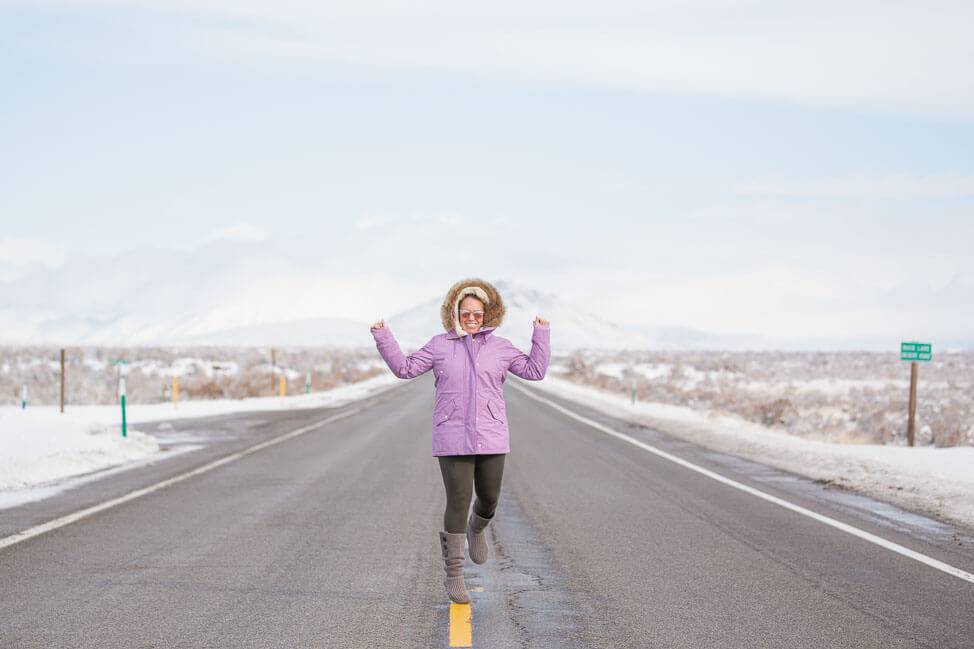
461	625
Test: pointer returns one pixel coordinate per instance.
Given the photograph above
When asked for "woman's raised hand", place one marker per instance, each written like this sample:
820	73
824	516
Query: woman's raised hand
538	320
378	325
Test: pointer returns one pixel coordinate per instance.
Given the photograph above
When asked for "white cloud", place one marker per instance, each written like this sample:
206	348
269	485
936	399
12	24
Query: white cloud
883	187
865	54
448	219
370	222
781	301
238	232
416	219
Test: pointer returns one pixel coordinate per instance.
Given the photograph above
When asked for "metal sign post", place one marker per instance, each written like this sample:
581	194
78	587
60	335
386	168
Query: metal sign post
914	352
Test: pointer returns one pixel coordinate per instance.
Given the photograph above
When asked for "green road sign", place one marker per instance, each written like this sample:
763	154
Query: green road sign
914	351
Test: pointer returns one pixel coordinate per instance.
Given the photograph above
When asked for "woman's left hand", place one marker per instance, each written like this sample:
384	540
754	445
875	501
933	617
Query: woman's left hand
538	320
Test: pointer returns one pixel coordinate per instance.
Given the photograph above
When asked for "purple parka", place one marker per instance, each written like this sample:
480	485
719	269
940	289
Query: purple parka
469	413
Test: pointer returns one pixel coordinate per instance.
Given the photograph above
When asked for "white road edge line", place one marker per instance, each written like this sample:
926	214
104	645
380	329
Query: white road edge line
845	527
138	493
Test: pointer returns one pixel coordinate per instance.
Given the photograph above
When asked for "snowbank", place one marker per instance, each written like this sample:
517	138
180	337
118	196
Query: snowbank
937	481
40	445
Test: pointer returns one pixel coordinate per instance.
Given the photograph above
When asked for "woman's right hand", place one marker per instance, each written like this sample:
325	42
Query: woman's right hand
378	325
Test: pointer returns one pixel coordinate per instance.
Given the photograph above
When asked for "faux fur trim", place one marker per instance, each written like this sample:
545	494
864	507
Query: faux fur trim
476	292
493	304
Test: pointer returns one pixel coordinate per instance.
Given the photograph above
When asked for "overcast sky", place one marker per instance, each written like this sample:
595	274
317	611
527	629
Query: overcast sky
768	167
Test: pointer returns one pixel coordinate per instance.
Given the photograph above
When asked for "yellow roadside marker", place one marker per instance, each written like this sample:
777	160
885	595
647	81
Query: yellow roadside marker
461	627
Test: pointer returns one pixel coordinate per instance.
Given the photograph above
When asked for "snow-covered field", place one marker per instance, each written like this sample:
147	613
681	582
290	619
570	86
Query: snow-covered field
937	481
203	372
847	397
40	446
835	417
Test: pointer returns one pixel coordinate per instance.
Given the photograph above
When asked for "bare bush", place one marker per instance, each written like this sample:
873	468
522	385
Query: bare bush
203	372
857	397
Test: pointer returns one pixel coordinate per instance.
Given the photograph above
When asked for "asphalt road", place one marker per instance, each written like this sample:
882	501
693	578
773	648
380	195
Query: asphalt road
329	539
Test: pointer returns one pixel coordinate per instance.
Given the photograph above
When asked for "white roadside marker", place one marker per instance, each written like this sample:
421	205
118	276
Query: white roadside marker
845	527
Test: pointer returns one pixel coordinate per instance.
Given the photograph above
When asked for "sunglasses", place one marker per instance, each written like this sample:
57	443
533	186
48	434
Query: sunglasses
466	313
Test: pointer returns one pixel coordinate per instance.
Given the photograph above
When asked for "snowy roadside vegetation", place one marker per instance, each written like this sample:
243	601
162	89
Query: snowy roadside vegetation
934	481
843	397
204	372
40	447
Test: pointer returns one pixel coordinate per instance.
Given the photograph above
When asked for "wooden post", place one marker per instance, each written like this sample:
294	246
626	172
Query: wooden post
273	367
910	427
62	380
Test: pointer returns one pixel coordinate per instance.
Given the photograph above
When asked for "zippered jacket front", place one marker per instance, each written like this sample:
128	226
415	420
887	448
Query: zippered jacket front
469	412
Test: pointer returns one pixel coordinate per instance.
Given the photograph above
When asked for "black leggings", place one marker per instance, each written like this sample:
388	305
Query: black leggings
484	472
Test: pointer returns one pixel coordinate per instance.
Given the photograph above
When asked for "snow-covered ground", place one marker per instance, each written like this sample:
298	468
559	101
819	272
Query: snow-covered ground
40	446
846	397
937	481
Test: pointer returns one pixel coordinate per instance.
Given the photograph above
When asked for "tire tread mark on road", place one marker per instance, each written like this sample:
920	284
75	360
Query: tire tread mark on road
541	608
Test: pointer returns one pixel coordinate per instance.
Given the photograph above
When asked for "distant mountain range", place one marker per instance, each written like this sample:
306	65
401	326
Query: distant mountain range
223	295
572	328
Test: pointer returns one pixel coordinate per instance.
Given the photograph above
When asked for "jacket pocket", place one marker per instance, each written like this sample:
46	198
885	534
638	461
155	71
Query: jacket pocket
496	411
445	412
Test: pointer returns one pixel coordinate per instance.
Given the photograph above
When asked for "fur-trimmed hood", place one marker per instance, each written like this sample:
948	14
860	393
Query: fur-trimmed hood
484	291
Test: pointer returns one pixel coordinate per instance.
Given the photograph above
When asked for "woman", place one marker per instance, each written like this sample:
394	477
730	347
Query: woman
470	435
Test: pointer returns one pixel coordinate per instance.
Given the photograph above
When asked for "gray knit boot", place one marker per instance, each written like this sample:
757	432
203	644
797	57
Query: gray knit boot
476	538
452	546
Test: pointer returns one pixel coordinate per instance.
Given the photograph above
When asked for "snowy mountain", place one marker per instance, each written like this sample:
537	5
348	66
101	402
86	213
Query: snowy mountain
227	296
312	332
226	292
572	328
262	293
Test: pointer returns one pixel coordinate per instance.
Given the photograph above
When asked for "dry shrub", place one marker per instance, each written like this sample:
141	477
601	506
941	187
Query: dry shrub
955	436
839	396
777	412
208	389
205	372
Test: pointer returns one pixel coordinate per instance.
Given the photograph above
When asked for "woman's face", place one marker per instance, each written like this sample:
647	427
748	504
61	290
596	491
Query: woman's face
471	314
